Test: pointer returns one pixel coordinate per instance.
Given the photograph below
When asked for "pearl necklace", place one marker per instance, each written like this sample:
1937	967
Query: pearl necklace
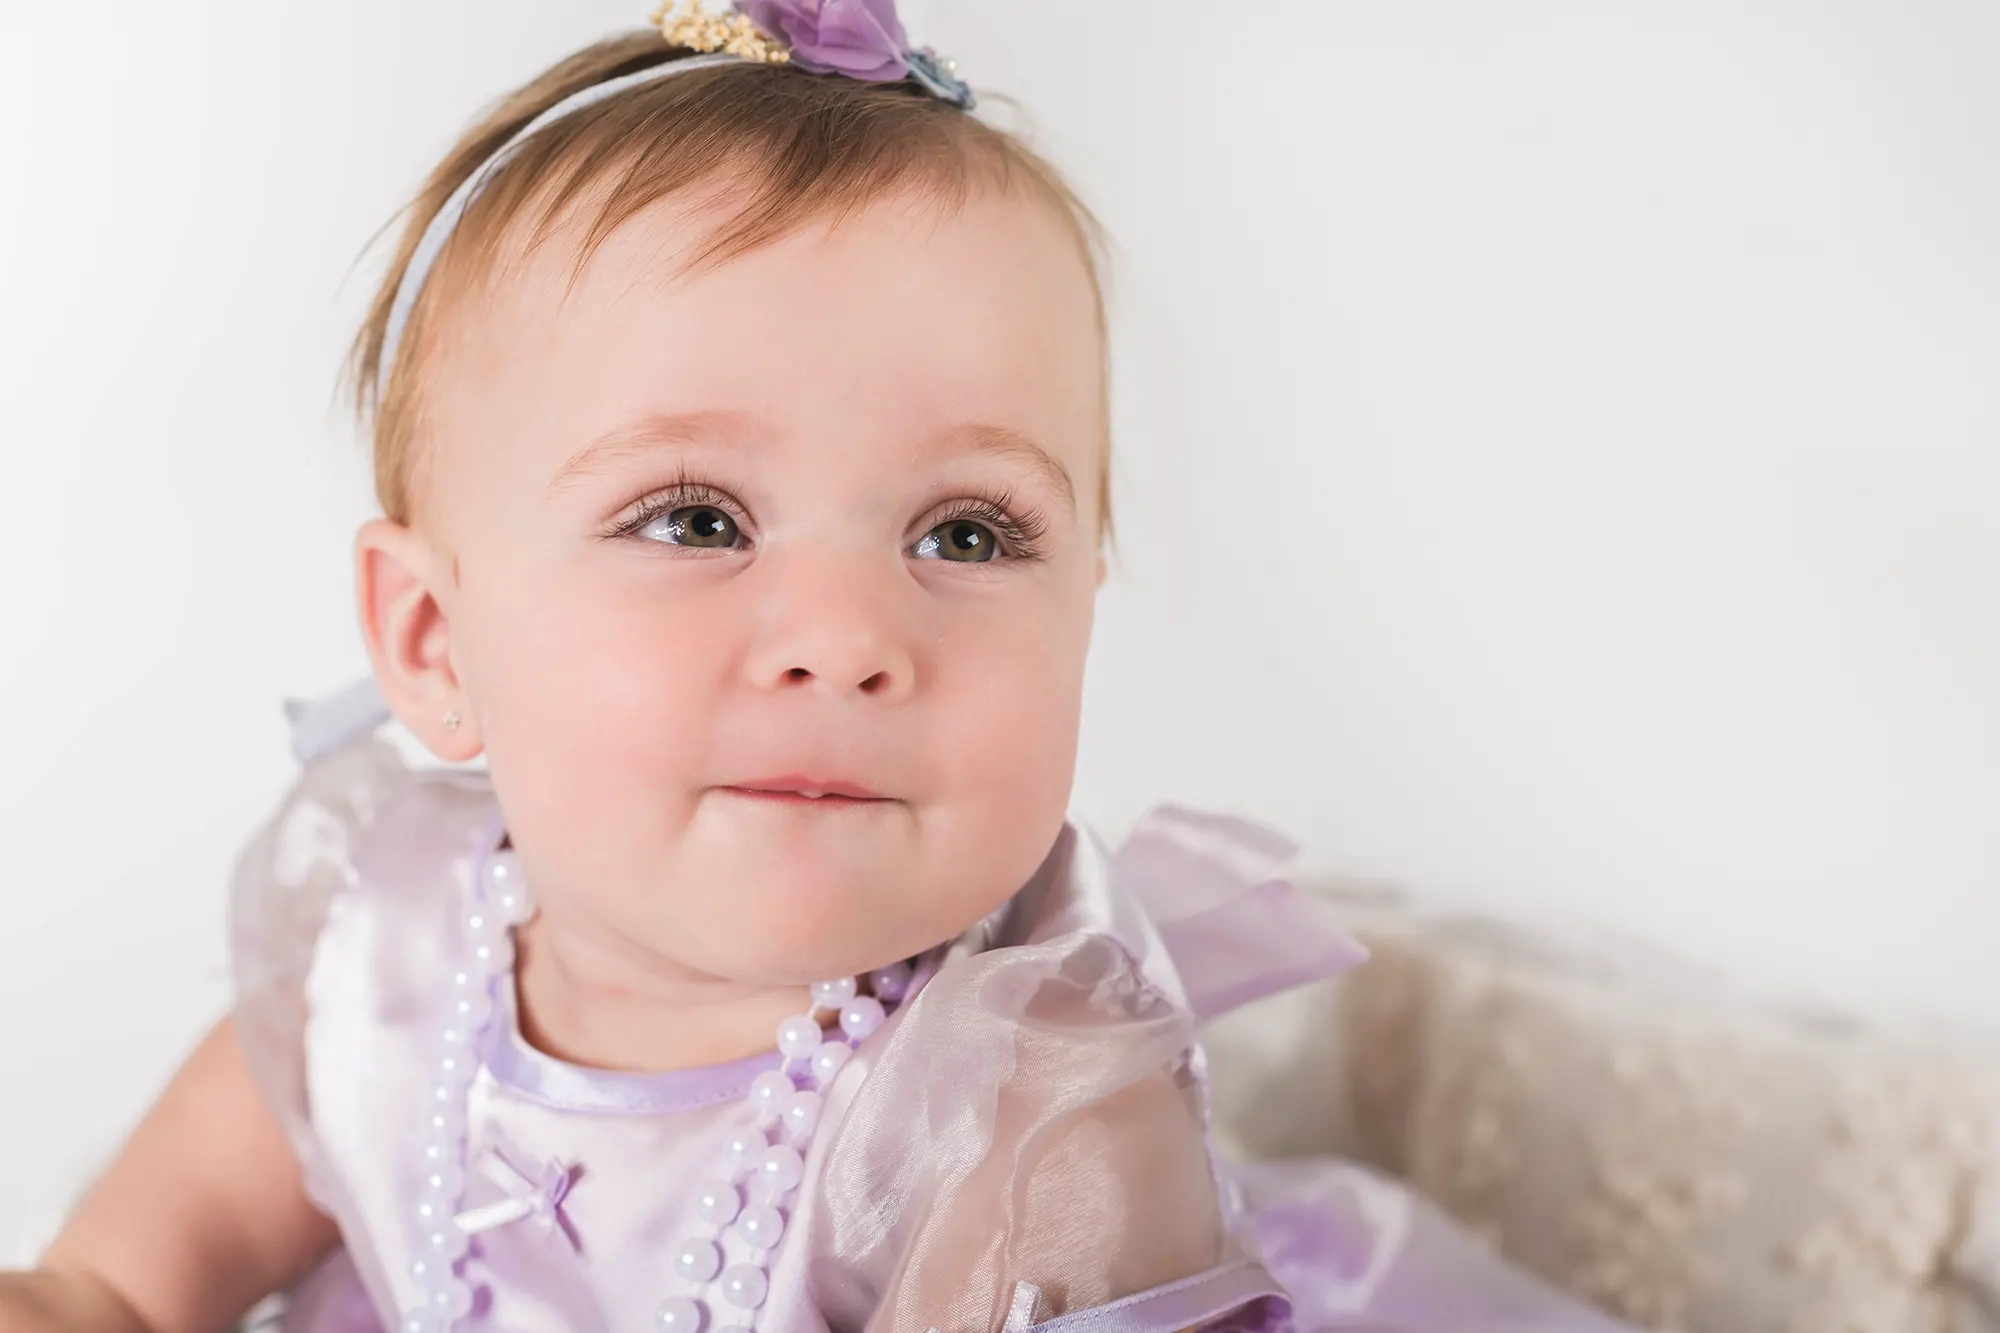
749	1194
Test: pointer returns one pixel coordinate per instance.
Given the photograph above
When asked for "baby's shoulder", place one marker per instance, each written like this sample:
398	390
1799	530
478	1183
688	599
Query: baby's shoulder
358	823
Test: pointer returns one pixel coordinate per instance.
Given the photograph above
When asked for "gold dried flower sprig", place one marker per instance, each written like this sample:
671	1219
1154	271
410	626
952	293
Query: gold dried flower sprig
684	23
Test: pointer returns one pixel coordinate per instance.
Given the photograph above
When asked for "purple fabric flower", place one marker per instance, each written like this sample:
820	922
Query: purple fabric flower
862	39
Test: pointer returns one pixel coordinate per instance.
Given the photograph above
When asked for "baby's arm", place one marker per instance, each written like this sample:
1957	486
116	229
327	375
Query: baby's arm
202	1214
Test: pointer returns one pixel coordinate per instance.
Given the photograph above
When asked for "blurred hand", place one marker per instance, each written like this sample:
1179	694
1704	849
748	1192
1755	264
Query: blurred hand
63	1301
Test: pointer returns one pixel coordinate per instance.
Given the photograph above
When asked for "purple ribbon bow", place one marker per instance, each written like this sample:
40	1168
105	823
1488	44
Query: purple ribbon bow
535	1193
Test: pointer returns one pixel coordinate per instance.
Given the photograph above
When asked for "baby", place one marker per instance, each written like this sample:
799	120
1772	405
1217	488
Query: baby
740	428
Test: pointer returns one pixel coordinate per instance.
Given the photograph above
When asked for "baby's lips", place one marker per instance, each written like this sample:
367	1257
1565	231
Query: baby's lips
808	784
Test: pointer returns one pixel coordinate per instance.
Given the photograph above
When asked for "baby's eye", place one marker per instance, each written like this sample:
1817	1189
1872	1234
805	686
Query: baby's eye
694	525
961	539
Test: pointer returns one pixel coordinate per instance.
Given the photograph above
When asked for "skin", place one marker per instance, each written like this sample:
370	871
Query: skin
630	652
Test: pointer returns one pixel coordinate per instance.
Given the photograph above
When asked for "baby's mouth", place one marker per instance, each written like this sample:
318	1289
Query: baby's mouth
804	789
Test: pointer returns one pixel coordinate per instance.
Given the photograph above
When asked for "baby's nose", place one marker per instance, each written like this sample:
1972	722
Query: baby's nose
841	632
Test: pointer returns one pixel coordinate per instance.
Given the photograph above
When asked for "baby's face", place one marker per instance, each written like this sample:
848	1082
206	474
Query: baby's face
821	519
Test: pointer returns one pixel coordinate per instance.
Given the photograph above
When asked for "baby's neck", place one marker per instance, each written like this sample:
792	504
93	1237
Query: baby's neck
596	1005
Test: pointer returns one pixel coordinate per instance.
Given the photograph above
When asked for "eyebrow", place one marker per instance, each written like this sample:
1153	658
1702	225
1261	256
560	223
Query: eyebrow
1008	443
633	439
658	430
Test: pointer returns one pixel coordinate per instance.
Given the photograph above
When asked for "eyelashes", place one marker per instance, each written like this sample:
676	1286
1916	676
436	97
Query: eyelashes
1020	530
684	492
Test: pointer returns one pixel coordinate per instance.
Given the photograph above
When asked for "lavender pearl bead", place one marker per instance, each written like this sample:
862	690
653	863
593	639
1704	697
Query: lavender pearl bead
745	1287
744	1148
800	1114
698	1260
445	1180
762	1226
446	1242
453	1301
495	953
861	1017
769	1091
833	994
892	982
506	888
678	1314
472	1008
718	1202
780	1169
828	1059
798	1037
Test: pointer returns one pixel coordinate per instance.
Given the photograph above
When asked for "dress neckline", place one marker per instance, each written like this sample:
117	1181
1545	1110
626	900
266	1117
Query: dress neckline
544	1078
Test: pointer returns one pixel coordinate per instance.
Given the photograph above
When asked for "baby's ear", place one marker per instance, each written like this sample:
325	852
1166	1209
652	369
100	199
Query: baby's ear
401	586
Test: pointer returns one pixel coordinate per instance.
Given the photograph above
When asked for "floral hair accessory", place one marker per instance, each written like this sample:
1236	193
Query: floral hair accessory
861	39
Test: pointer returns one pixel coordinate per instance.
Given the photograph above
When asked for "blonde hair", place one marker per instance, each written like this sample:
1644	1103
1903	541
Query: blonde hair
809	146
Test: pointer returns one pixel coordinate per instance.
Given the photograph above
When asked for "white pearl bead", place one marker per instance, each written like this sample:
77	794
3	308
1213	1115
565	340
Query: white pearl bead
861	1017
744	1148
718	1202
828	1059
780	1169
426	1272
698	1260
422	1321
833	994
678	1314
454	1038
800	1114
745	1287
479	923
761	1225
432	1208
798	1037
768	1092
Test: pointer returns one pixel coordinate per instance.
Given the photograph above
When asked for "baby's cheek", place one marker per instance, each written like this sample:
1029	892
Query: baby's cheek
1005	725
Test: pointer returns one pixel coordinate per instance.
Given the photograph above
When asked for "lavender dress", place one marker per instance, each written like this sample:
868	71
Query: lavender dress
1023	1145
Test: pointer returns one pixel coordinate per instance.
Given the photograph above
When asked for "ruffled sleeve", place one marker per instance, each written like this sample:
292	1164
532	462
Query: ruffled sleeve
1031	1147
285	884
1034	1120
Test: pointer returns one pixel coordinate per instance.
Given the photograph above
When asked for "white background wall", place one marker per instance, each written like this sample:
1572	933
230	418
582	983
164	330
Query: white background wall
1558	462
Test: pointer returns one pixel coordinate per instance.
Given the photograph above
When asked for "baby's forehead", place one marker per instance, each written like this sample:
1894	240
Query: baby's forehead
874	333
729	230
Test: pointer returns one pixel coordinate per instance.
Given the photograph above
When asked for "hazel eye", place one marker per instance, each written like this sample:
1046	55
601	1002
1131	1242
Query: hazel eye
694	525
961	540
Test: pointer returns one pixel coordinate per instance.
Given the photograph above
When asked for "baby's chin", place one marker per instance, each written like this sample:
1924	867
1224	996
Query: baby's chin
803	896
